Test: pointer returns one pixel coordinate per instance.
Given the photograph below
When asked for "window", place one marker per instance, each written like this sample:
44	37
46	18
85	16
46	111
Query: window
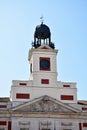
22	95
45	63
67	97
24	128
66	85
23	84
44	81
3	106
84	124
31	68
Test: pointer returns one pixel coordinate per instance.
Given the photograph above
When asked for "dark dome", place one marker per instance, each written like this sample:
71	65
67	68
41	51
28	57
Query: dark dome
42	31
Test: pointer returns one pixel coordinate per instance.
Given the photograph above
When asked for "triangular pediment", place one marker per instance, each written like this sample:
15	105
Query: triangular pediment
45	104
44	46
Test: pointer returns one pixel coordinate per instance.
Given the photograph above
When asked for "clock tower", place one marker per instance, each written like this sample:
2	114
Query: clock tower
43	73
42	58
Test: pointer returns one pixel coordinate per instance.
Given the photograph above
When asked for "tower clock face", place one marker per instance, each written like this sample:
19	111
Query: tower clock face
44	63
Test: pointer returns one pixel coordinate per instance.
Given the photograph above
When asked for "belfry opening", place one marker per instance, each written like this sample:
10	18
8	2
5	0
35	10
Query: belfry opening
42	35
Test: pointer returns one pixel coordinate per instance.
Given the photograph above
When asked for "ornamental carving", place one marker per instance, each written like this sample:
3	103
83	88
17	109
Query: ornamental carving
45	105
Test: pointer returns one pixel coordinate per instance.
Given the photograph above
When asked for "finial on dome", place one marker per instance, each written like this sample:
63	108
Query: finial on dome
42	35
41	18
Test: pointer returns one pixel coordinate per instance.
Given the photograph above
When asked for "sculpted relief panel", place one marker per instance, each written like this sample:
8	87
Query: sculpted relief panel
45	105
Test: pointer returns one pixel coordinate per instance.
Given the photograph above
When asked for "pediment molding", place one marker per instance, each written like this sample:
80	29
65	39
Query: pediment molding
45	104
44	46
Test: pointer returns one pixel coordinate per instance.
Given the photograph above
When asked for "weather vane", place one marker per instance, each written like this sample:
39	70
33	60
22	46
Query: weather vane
41	18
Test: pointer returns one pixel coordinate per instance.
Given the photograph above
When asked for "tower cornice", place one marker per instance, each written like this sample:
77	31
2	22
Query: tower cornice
40	50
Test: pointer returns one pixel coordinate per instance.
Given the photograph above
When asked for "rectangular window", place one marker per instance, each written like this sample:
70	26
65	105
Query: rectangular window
23	84
66	97
44	63
9	125
3	123
80	126
44	81
3	106
22	95
84	124
84	108
66	85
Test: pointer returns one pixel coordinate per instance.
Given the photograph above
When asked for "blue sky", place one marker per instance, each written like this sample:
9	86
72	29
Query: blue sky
67	20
